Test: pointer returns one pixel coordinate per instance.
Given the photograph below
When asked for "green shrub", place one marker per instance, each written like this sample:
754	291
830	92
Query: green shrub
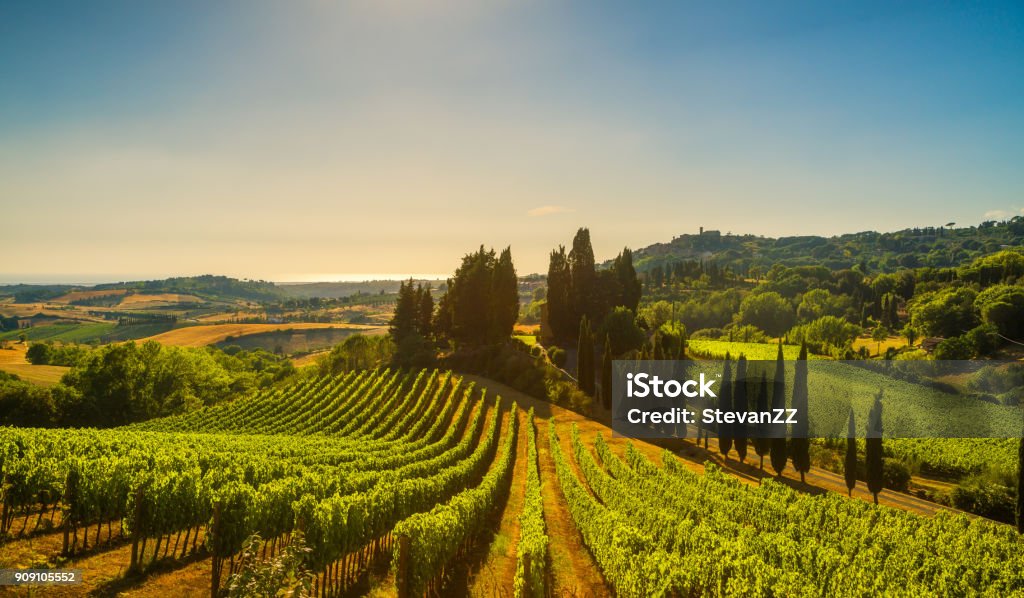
895	474
557	356
983	496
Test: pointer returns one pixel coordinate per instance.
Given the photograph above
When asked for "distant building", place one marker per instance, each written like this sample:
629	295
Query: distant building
930	343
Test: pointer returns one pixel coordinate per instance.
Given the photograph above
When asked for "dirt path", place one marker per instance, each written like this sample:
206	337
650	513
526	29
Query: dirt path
573	571
192	580
103	571
497	572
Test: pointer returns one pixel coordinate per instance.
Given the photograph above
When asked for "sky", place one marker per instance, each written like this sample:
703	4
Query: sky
296	141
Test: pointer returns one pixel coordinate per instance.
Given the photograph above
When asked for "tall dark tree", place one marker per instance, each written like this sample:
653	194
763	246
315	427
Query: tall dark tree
425	313
657	348
850	466
894	318
470	293
1020	487
442	327
481	303
725	406
655	276
873	448
582	270
800	444
559	296
504	297
629	284
763	442
606	374
406	319
585	358
778	450
740	405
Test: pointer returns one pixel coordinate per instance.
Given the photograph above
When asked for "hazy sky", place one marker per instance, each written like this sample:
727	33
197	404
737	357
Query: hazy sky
297	140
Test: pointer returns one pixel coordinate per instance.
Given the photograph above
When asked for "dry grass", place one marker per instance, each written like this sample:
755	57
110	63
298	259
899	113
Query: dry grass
200	336
229	317
308	359
496	574
78	295
896	342
141	300
27	310
12	360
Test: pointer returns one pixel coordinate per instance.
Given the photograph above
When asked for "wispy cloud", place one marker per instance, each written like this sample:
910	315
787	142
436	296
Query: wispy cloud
547	210
1004	213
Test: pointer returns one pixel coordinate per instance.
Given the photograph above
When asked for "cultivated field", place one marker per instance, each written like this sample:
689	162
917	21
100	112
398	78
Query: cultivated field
12	360
412	483
141	300
79	295
200	336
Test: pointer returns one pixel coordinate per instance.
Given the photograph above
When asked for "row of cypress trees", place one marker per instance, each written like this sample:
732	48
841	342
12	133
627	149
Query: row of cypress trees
780	450
576	289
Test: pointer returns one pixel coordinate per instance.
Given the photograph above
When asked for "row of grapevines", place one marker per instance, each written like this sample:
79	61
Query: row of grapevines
437	535
625	555
533	538
342	523
772	540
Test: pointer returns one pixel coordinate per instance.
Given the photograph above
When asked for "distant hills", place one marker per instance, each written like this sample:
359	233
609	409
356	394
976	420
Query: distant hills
207	286
211	287
936	247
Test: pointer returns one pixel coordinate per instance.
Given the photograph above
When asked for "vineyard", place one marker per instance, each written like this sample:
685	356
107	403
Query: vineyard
363	465
394	480
934	429
666	530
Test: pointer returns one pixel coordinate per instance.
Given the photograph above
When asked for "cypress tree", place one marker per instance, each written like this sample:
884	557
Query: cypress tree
873	448
559	296
657	352
628	281
725	406
504	297
851	455
763	442
443	316
471	298
407	313
800	445
778	450
426	311
740	404
584	274
1020	487
585	358
606	374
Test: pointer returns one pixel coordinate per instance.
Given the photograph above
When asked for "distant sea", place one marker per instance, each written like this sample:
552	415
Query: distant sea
92	279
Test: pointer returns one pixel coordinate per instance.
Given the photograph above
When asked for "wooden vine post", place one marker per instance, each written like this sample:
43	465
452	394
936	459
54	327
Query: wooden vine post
402	575
135	531
217	561
526	575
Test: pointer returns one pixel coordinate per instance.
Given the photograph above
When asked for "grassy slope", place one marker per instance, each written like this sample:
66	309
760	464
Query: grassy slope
104	332
200	336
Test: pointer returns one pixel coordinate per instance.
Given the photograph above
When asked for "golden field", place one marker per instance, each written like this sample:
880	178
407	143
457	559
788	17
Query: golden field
12	360
200	336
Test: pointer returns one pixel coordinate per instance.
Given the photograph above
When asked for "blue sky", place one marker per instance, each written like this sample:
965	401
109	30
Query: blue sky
303	140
